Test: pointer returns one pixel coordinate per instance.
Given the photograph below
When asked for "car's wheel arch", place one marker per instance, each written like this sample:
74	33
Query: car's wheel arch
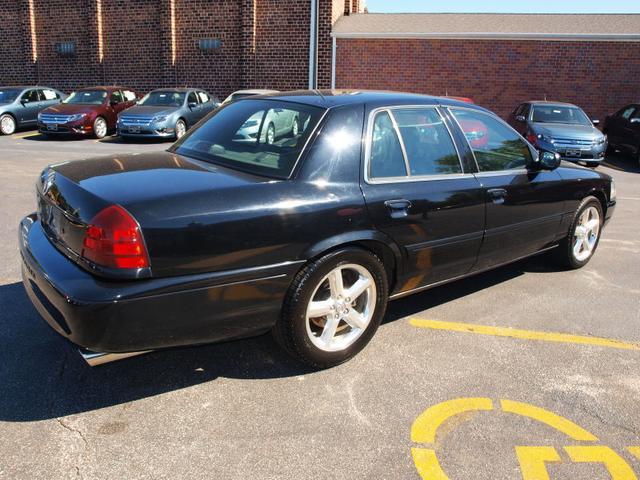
601	196
370	240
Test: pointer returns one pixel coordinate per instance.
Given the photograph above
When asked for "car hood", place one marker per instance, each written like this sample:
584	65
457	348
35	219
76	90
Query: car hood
71	109
561	130
146	111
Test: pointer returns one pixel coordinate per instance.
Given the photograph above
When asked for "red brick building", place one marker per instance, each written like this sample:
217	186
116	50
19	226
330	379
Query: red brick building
225	45
498	60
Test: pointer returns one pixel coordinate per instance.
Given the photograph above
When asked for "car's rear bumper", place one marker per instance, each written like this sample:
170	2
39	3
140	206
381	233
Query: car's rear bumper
130	316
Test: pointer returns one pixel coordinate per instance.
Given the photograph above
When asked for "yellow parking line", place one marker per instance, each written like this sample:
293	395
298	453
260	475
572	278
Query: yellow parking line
26	135
523	334
606	164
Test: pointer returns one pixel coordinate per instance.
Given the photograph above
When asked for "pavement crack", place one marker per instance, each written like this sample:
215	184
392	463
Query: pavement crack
78	432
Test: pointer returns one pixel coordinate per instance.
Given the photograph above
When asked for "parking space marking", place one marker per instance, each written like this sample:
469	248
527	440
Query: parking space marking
523	334
532	458
561	424
26	135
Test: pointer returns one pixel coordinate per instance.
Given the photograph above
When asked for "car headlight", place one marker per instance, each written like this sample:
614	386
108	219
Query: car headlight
39	117
601	140
76	117
250	123
159	119
612	191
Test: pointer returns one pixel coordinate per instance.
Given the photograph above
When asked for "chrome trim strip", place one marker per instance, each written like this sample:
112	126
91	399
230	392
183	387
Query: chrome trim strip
100	358
398	295
409	177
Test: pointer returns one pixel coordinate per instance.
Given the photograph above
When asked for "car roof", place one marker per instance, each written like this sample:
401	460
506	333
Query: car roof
178	89
25	87
335	98
101	87
255	91
550	103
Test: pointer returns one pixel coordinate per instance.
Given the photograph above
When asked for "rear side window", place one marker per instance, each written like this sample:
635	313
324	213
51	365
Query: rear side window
408	142
495	145
129	96
204	98
49	94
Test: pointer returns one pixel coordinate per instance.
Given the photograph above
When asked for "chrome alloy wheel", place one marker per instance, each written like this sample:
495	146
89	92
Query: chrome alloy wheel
7	124
586	234
181	129
341	308
100	128
271	134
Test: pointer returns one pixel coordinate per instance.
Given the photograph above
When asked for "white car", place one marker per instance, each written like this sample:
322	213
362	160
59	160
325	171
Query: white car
274	124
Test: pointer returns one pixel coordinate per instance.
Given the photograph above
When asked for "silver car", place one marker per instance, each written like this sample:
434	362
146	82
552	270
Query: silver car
272	125
20	106
165	113
563	128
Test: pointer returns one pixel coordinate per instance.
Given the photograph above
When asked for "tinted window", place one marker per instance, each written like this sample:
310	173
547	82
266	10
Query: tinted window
163	98
559	114
495	145
116	97
386	158
243	135
31	96
627	112
192	98
87	97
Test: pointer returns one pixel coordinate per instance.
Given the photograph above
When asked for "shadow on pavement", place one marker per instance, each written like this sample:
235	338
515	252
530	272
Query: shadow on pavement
42	375
625	163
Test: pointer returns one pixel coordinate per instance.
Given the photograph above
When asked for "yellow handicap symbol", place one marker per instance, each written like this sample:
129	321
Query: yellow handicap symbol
532	459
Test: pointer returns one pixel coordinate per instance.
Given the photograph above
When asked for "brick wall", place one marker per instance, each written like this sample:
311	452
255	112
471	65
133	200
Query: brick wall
16	64
599	76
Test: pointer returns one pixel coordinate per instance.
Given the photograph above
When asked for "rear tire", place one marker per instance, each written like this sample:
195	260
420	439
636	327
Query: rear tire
7	124
578	247
326	321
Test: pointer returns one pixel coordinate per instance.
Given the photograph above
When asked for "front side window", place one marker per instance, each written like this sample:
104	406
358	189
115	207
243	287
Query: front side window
31	96
427	144
163	98
192	98
263	137
496	146
559	114
116	97
87	97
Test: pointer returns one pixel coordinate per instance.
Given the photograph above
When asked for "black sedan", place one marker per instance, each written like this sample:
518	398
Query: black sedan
623	130
372	197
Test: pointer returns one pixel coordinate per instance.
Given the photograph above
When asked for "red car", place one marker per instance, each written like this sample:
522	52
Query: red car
90	111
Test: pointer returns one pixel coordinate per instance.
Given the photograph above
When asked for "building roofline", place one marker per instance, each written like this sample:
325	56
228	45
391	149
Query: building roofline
561	37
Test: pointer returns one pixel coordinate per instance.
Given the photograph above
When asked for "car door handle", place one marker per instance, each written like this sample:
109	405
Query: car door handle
497	194
398	208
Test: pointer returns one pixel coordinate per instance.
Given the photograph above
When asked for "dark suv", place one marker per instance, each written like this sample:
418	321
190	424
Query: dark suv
623	130
90	111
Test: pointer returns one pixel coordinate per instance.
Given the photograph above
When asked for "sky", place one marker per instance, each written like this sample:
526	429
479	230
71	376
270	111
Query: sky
510	6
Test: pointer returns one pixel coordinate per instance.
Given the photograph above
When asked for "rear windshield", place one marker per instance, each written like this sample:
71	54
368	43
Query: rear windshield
559	114
169	99
8	95
264	137
87	97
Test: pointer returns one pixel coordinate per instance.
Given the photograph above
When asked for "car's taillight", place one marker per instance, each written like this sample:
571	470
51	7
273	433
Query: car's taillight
113	239
533	139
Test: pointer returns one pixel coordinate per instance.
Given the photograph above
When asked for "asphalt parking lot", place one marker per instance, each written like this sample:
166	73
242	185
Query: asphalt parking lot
506	375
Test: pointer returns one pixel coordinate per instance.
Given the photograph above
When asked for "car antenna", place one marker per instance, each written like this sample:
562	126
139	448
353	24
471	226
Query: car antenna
320	93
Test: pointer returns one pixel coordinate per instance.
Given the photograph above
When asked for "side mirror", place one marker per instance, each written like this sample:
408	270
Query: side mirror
595	122
24	101
192	105
520	118
548	160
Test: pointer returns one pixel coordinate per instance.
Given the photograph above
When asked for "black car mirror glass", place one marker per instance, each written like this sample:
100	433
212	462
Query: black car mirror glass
549	160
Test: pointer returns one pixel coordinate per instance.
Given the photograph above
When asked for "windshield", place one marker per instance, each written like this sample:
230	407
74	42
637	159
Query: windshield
86	97
559	114
264	137
8	95
169	99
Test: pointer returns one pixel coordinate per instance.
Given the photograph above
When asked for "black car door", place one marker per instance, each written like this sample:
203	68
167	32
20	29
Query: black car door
421	195
523	207
630	134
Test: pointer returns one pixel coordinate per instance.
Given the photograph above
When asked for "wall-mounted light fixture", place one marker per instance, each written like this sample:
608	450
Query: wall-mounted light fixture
99	25
66	49
172	6
34	37
208	44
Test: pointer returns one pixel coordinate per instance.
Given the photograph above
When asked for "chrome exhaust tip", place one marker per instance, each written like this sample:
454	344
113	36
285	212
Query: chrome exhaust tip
100	358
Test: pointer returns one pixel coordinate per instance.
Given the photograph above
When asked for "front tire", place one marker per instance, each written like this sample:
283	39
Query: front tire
181	129
100	128
593	164
578	247
333	308
7	124
271	134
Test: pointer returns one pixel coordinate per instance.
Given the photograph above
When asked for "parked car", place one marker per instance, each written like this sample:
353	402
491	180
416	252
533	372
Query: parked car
166	113
276	124
90	111
20	106
247	93
562	128
623	130
379	196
